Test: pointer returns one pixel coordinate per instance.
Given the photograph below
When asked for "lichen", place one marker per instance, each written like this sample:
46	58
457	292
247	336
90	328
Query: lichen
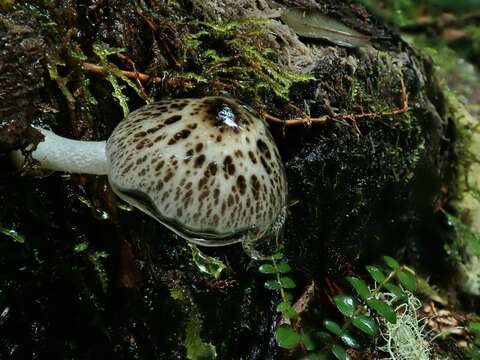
406	339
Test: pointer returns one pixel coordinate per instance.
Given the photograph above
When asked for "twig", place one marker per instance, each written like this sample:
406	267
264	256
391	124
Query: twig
307	120
134	75
134	67
138	76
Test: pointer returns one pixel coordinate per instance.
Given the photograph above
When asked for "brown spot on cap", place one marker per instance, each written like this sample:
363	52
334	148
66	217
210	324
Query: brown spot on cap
267	167
252	157
228	165
199	161
264	148
188	156
168	176
154	129
159	185
173	119
140	134
242	184
202	183
255	186
203	195
159	165
182	134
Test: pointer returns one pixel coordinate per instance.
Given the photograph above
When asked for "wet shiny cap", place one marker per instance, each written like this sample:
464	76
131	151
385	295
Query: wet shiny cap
206	168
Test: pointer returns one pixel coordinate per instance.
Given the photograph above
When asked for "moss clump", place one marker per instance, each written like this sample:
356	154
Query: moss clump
196	348
231	56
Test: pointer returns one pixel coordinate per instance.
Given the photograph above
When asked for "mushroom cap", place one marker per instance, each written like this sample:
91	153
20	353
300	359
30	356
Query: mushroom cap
206	168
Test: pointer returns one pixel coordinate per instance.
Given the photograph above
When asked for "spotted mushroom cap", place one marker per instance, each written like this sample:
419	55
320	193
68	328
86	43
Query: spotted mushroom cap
206	168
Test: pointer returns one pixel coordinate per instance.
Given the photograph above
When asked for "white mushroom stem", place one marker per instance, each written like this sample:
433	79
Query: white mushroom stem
73	156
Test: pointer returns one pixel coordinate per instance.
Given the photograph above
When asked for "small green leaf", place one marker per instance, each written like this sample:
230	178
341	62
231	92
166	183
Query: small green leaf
360	287
395	290
272	285
333	327
267	269
287	283
307	341
345	304
407	280
474	326
391	262
349	340
476	341
365	324
383	309
12	234
287	310
283	267
340	352
80	247
376	273
287	338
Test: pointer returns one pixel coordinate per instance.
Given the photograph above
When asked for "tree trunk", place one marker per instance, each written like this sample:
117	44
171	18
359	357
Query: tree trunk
360	120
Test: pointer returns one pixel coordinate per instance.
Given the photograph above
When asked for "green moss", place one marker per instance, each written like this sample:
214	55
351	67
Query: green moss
113	74
6	4
197	349
232	55
62	82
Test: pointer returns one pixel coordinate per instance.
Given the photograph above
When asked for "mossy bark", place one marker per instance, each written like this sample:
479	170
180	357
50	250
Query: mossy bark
93	280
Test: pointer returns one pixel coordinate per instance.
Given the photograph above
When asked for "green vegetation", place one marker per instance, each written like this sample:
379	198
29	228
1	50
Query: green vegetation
473	351
388	308
231	56
63	259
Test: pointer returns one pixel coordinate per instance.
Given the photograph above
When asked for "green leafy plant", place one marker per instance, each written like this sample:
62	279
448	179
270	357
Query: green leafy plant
367	311
473	350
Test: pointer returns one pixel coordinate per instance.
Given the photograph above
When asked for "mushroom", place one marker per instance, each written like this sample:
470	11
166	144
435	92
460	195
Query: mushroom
208	169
